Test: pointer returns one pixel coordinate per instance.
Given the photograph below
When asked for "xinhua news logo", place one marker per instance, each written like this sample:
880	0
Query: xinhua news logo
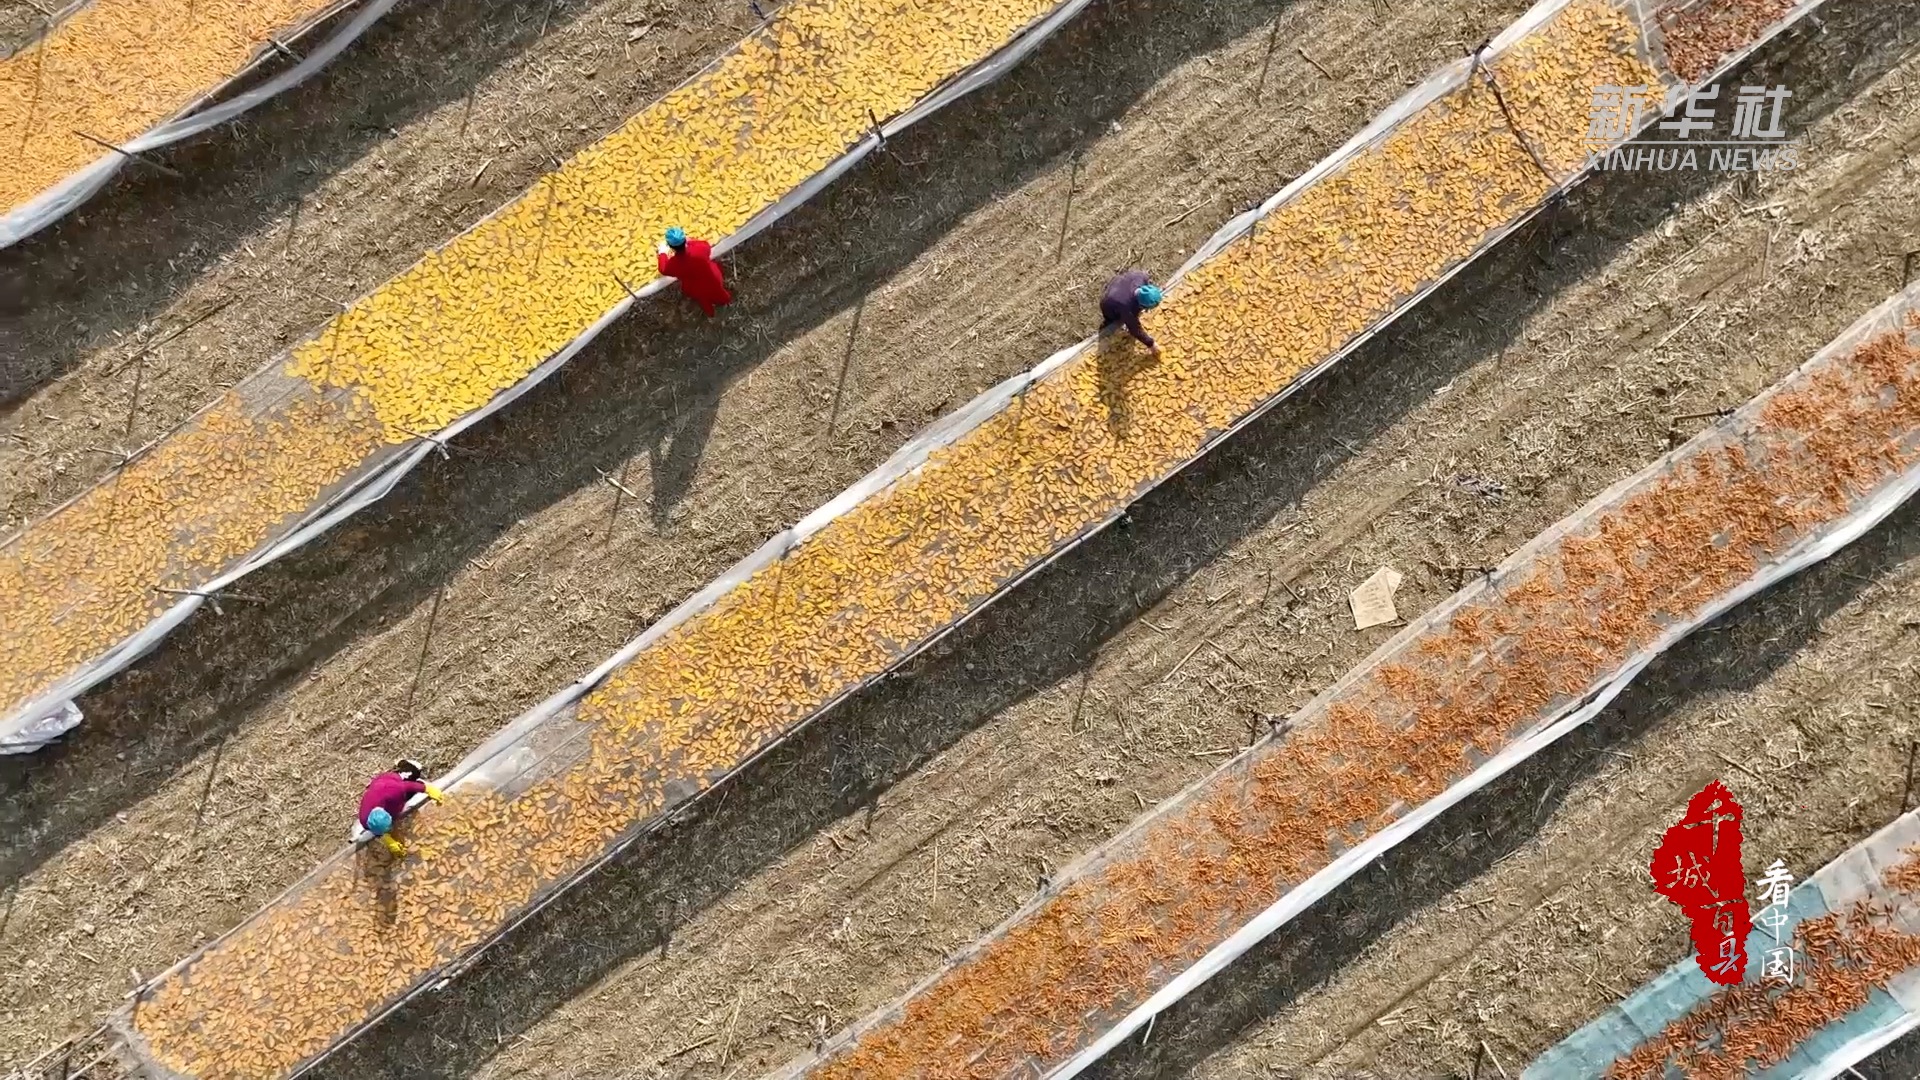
1756	140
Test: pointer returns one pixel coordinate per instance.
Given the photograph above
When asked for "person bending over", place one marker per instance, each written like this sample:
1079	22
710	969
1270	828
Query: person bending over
386	799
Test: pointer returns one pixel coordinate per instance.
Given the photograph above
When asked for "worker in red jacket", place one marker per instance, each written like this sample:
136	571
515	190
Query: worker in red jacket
692	262
387	796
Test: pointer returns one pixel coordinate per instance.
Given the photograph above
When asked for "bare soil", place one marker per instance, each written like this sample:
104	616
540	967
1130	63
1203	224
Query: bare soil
1543	377
206	779
19	24
847	866
123	319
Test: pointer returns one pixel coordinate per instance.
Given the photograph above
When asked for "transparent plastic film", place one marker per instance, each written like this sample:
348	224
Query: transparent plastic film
137	75
955	519
1460	696
93	585
1838	979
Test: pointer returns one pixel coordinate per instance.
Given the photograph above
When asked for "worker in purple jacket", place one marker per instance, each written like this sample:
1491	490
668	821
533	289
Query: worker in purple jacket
1127	295
387	796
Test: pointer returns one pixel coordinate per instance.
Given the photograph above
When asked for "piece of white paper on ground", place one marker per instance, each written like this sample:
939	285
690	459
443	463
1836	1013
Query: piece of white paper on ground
1373	600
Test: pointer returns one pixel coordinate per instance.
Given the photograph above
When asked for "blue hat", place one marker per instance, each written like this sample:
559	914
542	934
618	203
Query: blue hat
379	821
1148	295
676	237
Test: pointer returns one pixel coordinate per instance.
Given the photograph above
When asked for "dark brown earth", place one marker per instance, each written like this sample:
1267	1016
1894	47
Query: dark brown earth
847	866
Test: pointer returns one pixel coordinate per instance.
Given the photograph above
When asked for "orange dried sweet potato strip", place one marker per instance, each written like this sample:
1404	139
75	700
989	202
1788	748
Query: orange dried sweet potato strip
1697	37
446	336
848	602
116	68
1840	959
1170	891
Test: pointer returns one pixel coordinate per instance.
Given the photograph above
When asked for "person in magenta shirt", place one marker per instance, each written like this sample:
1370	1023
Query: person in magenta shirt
386	799
691	261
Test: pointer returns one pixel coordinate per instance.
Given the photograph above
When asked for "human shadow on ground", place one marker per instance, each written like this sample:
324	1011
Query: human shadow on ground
1117	359
1736	652
1047	632
652	380
124	255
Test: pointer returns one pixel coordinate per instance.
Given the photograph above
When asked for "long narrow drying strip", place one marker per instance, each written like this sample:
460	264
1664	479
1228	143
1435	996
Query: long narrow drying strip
132	75
1456	699
321	432
1853	986
986	497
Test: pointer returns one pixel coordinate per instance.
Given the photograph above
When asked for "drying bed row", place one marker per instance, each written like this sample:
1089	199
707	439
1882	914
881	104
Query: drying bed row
1849	984
112	70
746	665
1464	694
86	588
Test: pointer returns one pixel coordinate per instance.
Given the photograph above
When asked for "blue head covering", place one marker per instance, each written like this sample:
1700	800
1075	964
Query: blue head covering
1148	295
379	821
676	237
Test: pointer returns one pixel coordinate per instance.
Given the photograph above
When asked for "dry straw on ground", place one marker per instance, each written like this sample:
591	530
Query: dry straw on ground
1842	958
845	605
472	319
1405	730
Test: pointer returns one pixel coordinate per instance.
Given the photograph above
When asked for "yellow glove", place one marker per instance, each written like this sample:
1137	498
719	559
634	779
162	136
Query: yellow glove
435	793
394	846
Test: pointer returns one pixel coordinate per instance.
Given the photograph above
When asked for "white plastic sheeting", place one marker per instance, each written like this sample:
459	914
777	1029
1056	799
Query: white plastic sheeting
1348	863
53	713
1810	551
1864	513
546	737
55	202
1885	1014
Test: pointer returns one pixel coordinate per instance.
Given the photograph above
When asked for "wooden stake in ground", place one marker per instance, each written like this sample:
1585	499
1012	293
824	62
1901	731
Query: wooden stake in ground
619	489
546	212
780	576
131	155
133	402
846	365
1480	68
1495	1058
426	640
1066	213
1273	40
1906	794
39	77
206	789
1020	409
293	224
1318	66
